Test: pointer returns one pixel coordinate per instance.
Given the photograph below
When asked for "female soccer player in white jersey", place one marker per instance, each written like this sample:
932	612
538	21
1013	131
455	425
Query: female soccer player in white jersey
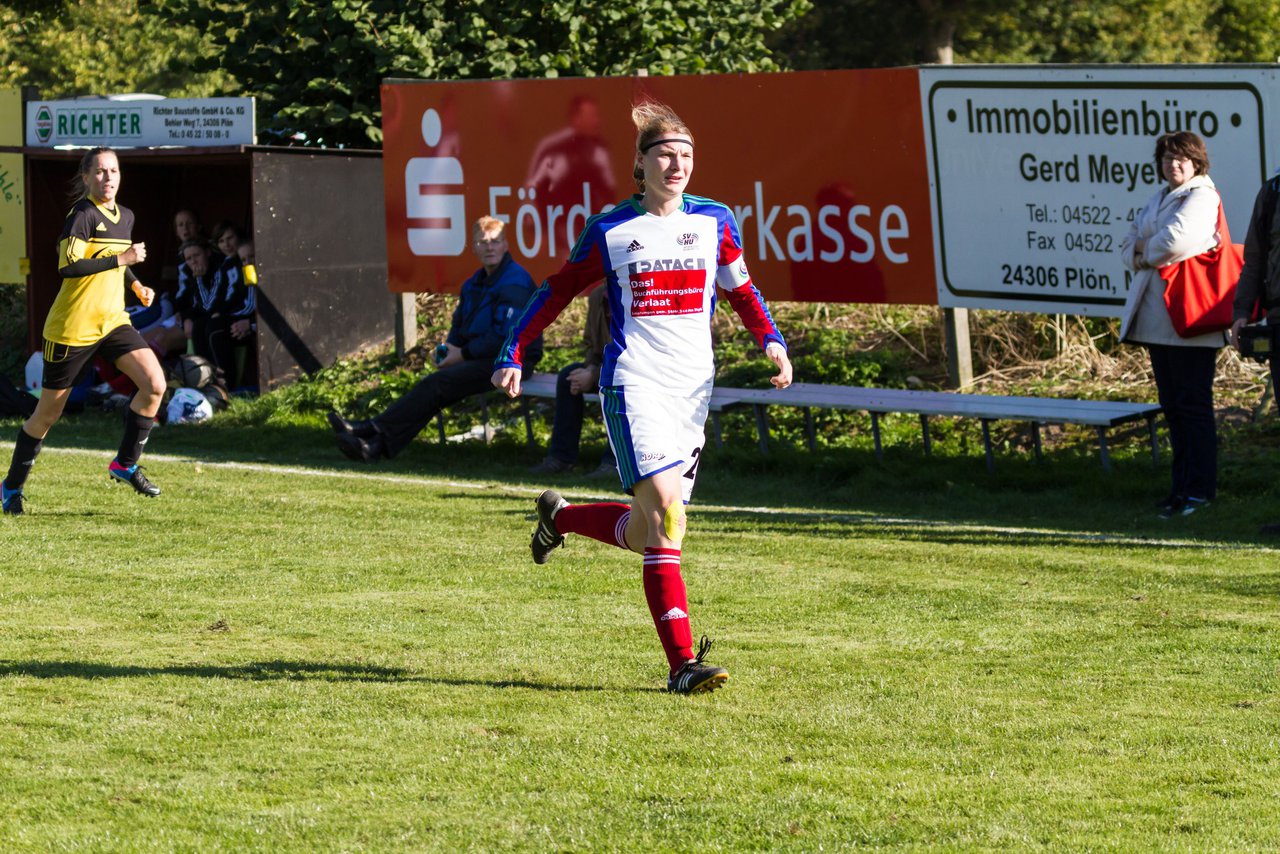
88	319
663	253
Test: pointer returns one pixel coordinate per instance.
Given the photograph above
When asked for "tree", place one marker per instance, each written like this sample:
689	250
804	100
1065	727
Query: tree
316	65
100	47
876	33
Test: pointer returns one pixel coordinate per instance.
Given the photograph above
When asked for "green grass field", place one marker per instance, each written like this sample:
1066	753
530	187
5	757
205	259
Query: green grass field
286	652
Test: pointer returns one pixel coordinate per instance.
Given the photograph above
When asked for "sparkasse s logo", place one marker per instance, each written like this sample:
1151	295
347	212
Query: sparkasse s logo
44	124
437	219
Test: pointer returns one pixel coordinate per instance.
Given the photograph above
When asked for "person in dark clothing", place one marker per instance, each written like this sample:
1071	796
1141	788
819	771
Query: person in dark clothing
573	382
488	305
1259	283
237	321
200	299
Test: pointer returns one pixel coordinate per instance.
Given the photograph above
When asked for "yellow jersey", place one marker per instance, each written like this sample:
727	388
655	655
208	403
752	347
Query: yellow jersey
88	307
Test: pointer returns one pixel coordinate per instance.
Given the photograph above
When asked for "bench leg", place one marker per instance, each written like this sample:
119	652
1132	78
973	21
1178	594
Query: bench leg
1035	440
808	426
528	420
924	432
1155	445
715	428
875	433
986	444
484	417
440	425
762	427
1102	449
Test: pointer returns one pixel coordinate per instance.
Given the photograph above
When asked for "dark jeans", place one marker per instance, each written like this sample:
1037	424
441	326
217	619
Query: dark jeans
566	430
1275	361
406	418
1184	381
222	347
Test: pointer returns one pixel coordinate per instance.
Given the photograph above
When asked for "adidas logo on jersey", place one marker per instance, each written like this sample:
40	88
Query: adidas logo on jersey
102	226
635	246
674	614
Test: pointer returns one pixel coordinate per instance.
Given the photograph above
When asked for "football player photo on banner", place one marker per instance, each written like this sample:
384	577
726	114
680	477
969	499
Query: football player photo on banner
825	173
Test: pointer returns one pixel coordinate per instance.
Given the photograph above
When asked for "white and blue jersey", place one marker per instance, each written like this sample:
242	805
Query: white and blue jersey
662	273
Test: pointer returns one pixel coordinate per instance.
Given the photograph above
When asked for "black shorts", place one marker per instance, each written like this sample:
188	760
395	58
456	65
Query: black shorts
63	363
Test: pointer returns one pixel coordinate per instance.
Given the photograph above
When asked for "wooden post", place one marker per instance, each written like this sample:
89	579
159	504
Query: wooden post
406	323
955	322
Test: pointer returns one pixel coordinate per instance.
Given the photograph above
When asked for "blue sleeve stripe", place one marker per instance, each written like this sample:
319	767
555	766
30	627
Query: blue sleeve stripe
536	300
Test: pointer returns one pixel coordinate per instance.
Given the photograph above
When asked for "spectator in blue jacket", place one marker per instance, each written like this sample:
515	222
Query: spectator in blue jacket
489	304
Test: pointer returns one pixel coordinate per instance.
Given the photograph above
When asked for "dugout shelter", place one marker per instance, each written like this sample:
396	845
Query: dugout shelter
315	216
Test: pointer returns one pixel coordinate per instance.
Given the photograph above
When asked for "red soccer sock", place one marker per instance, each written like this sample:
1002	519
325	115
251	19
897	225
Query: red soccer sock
664	588
604	522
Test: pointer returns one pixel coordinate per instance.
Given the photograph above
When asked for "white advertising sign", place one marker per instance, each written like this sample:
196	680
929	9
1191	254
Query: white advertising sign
1037	173
141	123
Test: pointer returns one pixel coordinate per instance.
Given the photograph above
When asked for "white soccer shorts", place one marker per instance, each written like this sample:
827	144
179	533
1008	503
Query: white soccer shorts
651	432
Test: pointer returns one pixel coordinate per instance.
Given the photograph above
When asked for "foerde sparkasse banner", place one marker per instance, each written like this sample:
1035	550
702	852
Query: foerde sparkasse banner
825	171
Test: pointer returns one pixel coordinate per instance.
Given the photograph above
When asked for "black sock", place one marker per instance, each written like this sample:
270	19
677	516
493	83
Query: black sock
24	457
136	430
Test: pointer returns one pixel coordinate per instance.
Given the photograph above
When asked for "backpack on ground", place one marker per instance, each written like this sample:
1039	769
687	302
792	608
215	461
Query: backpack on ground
14	401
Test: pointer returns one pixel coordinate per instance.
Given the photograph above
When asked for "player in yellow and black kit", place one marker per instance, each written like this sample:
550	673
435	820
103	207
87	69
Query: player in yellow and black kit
88	319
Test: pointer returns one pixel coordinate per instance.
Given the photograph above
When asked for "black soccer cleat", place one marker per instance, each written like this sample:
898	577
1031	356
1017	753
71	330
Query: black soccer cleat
134	477
694	677
545	536
12	500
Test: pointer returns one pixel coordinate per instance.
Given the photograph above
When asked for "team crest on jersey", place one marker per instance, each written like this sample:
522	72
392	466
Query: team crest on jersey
688	240
742	271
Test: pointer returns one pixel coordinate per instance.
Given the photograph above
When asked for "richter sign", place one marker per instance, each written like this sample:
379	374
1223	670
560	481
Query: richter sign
140	123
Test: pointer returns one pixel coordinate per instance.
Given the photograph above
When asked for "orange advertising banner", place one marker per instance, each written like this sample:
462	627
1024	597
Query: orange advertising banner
825	172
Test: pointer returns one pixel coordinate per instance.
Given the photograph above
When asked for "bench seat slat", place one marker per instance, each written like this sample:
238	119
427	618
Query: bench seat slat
937	403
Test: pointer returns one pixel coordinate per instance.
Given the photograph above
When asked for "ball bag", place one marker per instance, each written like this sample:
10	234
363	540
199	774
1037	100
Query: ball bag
195	371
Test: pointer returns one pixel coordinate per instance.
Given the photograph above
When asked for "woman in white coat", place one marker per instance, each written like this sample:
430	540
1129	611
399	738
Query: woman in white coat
1180	221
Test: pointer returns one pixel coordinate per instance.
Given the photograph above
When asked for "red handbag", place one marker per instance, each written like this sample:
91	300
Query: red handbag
1199	291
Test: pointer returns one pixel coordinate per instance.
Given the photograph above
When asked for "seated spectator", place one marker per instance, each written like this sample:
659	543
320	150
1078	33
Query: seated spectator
488	305
236	327
226	237
186	226
200	299
159	324
572	383
247	256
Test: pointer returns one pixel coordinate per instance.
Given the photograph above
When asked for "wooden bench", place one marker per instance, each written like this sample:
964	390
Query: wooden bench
1099	414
